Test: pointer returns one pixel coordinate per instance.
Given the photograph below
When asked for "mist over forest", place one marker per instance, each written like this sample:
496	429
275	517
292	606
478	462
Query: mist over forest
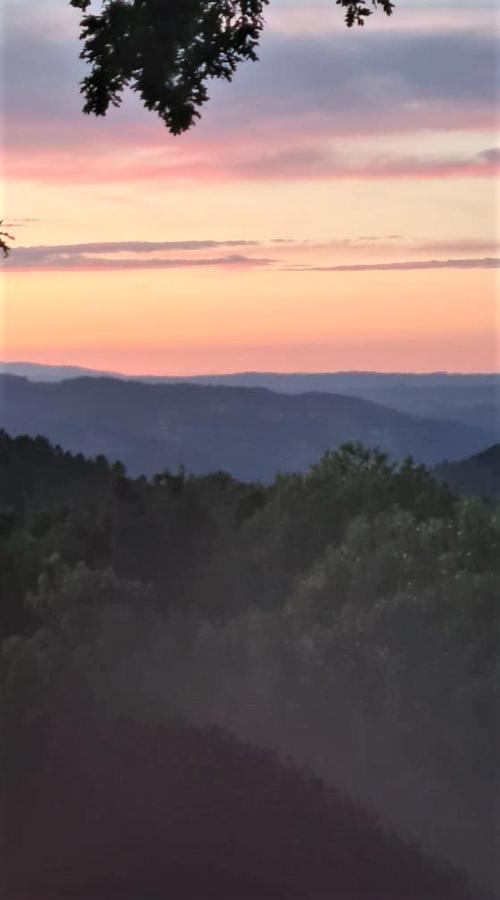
230	689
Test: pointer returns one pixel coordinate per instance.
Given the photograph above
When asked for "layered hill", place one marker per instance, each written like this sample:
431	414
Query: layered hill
472	399
478	475
250	432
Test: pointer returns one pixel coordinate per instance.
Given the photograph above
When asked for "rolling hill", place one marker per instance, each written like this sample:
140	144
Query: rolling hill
250	432
468	398
479	475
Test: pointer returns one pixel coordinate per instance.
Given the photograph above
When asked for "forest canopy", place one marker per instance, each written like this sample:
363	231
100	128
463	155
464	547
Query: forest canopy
348	616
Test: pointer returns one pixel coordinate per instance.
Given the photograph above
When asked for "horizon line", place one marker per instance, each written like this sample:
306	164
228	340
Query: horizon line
112	373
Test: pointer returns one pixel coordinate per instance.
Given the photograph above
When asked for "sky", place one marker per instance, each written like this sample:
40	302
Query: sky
336	207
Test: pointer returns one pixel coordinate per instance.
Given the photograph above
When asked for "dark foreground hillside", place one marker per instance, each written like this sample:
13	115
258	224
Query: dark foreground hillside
116	810
346	618
250	432
479	475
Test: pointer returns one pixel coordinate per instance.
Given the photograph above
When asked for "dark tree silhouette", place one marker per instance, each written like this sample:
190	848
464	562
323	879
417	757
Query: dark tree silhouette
4	237
167	50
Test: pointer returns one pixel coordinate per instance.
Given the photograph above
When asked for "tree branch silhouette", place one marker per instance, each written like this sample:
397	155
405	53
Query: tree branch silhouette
167	50
4	237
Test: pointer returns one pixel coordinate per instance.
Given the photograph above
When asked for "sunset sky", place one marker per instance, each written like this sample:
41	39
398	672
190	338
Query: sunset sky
336	208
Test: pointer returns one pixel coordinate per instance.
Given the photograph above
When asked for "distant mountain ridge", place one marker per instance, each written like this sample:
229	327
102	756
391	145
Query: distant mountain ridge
297	381
250	432
49	373
468	398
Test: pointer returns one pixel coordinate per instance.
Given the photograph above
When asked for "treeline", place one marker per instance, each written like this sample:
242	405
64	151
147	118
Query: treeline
348	617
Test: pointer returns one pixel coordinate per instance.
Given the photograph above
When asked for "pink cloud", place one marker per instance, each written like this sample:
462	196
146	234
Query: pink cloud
328	88
237	160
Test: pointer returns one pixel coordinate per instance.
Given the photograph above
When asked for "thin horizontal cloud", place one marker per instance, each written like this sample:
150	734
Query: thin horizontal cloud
21	222
391	243
219	161
124	255
384	243
413	265
316	163
112	247
48	259
458	246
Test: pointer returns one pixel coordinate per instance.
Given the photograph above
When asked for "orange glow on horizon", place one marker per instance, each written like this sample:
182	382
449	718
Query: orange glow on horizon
204	321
